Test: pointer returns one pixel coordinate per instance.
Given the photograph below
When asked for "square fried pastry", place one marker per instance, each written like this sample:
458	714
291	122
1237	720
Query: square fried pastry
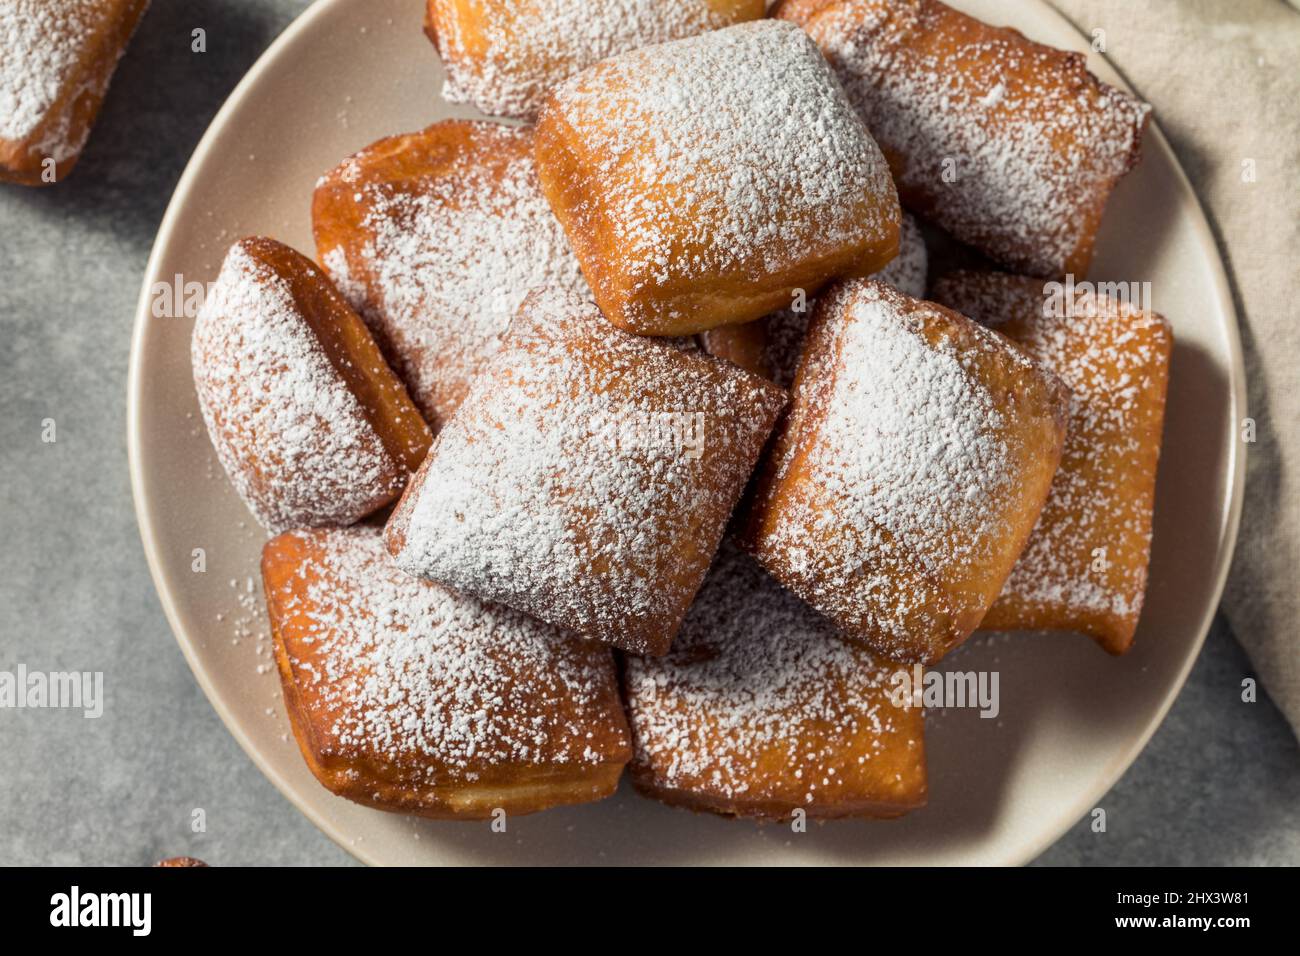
435	237
57	58
587	477
308	421
505	55
761	709
784	331
1010	145
907	476
408	697
1085	566
692	191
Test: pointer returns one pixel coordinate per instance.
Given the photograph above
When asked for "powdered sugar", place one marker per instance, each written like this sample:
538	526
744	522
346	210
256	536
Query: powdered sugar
1088	553
760	696
914	444
41	43
395	668
528	499
41	46
1009	145
911	479
335	263
733	156
438	265
786	329
293	438
907	271
505	56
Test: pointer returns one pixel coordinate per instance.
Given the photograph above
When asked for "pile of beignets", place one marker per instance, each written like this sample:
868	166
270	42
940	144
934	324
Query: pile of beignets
685	466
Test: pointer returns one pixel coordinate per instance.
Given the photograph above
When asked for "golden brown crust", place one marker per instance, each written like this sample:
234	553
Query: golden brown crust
909	472
406	697
79	47
1010	145
431	22
307	419
800	11
352	351
775	810
761	710
505	55
588	476
1085	565
435	237
783	331
743	345
668	168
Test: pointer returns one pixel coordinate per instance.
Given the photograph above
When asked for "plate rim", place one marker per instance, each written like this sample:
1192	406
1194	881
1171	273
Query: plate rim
150	538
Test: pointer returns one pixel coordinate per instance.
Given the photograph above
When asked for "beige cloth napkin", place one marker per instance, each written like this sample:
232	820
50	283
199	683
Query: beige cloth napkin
1224	78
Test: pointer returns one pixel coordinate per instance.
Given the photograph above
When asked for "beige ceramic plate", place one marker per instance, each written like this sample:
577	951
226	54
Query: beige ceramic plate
1072	719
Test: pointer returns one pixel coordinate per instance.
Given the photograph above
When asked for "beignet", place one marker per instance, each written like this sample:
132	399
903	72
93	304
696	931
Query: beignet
505	55
1085	567
1010	145
761	709
784	331
744	345
691	189
408	697
435	237
56	62
587	477
310	424
913	463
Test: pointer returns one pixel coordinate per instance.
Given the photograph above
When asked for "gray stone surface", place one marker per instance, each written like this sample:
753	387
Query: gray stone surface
1220	782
